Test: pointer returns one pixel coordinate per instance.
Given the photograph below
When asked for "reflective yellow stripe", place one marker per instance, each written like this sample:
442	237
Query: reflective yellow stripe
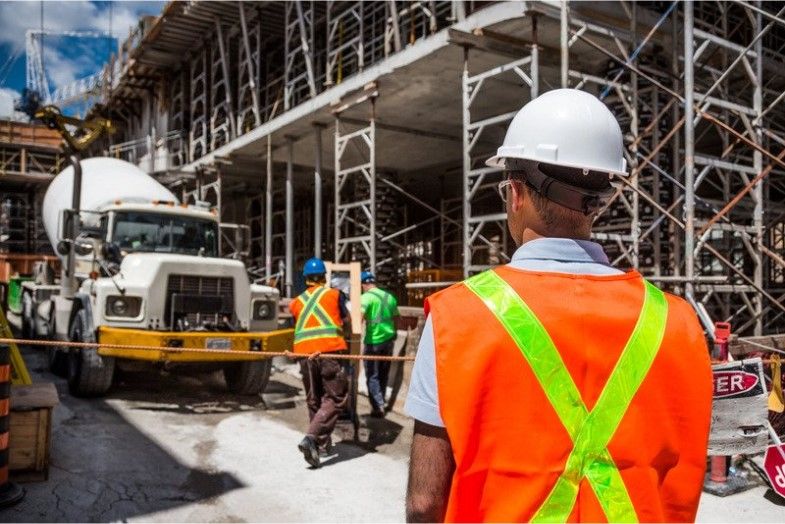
308	334
590	432
325	327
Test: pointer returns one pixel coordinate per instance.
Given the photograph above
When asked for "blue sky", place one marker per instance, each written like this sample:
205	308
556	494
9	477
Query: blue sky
65	59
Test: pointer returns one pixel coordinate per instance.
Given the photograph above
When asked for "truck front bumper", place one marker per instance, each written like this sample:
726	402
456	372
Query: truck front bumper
169	345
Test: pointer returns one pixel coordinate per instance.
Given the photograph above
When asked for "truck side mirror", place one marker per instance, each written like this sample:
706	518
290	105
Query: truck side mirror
111	252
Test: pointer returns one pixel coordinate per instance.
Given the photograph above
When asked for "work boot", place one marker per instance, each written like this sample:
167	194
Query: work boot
309	450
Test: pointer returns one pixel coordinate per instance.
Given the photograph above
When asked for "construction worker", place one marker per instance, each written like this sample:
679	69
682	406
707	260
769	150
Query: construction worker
568	390
380	307
319	315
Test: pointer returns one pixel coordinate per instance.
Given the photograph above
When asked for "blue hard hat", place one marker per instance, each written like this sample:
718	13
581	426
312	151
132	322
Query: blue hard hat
367	277
314	266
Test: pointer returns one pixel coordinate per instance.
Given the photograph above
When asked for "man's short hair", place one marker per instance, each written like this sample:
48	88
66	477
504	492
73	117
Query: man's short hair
553	213
316	278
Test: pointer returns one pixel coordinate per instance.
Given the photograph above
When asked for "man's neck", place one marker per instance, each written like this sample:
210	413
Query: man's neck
530	234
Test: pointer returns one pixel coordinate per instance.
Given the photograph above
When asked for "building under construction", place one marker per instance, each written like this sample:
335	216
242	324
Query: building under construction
358	131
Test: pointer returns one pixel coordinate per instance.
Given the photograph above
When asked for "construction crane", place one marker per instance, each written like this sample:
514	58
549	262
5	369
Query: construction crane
37	90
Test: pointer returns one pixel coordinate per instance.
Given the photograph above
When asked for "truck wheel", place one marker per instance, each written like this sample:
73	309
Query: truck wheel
28	321
249	377
89	374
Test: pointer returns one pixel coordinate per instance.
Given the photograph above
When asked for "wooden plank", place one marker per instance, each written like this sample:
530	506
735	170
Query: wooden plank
21	459
42	442
34	396
740	346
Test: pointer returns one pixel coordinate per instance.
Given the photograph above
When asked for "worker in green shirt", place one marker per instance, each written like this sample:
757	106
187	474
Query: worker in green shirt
379	307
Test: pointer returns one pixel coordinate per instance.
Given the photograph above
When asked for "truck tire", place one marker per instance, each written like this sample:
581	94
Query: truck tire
89	374
28	321
249	377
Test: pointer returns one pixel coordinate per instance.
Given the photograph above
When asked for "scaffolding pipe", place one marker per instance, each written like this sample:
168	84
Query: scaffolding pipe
689	149
289	241
225	71
268	212
250	66
757	162
467	166
565	44
317	191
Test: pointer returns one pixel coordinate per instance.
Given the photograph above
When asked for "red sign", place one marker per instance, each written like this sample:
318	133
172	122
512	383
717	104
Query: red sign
774	464
729	383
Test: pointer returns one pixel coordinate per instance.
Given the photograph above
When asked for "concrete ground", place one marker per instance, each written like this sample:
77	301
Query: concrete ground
174	448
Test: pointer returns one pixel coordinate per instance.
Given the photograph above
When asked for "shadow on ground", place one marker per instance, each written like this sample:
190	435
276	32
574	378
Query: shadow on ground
103	468
373	433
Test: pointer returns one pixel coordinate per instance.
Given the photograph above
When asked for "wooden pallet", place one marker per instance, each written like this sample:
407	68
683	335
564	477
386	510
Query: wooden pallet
31	431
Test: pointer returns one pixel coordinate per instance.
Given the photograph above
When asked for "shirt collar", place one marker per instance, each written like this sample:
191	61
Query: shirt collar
562	249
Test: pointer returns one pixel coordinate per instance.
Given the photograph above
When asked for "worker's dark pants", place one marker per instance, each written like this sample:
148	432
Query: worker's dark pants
326	393
377	372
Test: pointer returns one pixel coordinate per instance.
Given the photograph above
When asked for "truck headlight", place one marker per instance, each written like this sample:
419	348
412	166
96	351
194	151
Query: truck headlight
263	310
123	306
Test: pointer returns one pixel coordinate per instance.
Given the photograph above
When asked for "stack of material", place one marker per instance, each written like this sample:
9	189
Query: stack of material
31	430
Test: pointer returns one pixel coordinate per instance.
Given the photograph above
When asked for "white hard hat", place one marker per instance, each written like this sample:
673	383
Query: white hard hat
565	127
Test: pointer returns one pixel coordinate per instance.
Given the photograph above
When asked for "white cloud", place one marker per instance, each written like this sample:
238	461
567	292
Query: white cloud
7	99
17	17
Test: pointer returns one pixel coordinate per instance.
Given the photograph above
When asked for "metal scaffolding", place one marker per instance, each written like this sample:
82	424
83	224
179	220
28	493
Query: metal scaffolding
697	88
355	190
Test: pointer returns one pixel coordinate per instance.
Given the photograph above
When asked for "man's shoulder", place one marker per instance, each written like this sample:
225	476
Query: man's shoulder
447	295
681	309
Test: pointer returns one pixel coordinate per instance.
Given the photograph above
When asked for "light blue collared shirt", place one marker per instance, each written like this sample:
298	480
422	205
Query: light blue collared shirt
555	255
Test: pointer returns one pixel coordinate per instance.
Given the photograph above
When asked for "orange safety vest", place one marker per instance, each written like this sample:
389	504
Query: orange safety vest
318	323
516	458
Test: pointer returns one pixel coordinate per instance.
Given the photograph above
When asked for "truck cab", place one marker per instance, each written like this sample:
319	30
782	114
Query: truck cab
148	273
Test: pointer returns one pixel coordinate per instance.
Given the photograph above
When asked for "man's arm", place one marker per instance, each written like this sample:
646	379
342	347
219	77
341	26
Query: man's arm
430	474
342	309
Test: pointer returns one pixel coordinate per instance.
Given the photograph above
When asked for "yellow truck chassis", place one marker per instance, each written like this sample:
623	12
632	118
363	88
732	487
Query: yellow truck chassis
244	345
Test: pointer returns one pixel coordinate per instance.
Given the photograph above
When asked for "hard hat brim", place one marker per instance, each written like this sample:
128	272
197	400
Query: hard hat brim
497	161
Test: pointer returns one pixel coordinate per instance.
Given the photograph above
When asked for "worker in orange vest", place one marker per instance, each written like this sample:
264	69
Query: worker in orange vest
557	387
319	315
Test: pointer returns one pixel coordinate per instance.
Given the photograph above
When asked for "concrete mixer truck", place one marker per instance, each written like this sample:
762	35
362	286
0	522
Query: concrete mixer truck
146	272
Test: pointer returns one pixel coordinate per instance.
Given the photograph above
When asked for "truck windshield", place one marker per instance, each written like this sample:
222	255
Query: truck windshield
165	233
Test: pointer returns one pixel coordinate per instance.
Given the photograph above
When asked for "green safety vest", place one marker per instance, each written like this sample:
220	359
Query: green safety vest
379	314
590	432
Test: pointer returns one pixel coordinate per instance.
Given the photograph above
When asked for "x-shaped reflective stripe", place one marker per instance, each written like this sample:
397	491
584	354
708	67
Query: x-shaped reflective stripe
326	327
590	431
311	301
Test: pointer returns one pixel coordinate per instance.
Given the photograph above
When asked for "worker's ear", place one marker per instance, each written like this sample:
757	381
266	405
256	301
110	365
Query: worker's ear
517	195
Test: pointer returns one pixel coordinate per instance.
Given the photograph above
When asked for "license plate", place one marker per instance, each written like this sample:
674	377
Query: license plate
219	343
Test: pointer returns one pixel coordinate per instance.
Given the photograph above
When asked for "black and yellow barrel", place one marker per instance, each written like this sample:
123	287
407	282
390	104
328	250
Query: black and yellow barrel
10	493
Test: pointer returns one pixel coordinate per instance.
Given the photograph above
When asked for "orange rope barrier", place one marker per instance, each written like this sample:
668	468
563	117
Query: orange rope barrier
257	354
